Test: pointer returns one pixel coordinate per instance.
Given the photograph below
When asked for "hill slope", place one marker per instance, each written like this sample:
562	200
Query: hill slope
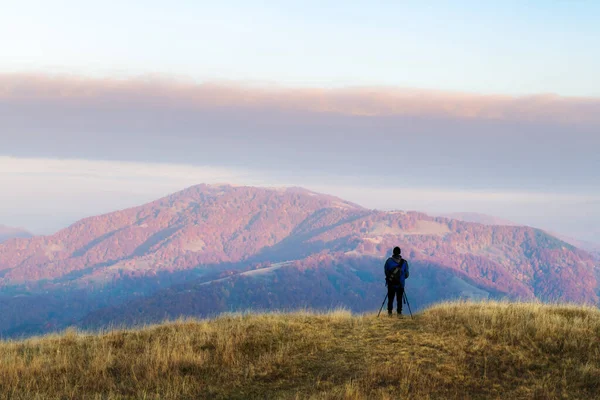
460	350
209	249
198	226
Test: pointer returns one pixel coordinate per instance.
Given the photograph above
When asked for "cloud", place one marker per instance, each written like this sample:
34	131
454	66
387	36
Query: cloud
22	169
359	101
367	136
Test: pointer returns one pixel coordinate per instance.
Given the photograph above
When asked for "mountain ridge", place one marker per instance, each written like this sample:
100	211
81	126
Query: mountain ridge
214	248
479	218
592	248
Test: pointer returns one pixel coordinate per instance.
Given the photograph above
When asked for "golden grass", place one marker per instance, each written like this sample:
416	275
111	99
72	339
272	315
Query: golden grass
453	350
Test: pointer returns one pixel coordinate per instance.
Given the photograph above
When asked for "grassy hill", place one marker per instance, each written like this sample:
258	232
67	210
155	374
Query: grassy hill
455	350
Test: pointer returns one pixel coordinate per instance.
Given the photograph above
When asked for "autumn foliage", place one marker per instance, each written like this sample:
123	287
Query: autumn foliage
191	254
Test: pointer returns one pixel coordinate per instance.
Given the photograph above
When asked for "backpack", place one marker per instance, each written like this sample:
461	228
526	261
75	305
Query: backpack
394	276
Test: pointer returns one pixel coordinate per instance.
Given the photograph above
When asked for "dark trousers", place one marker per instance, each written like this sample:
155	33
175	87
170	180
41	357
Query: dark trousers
398	293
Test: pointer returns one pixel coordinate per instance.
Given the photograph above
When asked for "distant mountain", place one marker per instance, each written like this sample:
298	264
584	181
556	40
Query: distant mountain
209	249
479	218
198	226
593	248
7	232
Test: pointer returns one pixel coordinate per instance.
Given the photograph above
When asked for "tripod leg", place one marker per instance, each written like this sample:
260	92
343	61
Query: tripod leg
408	304
382	305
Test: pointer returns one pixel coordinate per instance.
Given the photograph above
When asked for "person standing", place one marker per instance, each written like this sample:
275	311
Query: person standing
396	272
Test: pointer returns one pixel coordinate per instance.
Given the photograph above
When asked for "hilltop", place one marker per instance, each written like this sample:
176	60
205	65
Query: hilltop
217	248
450	351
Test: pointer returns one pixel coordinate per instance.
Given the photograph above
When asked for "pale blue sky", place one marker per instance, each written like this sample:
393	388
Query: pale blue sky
510	46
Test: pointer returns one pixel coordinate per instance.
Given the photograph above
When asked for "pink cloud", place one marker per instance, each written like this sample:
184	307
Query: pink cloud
360	101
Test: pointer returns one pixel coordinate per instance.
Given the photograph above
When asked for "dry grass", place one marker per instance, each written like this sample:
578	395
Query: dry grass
455	350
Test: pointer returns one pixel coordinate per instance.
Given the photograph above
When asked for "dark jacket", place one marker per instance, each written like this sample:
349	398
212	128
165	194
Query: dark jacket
396	271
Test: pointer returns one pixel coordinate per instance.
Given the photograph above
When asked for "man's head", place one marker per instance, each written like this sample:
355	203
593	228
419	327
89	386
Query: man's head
397	251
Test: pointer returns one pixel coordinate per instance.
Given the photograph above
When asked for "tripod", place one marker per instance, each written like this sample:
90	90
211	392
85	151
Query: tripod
405	299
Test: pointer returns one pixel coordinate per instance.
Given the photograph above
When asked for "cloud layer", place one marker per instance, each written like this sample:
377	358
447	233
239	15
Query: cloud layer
361	101
390	136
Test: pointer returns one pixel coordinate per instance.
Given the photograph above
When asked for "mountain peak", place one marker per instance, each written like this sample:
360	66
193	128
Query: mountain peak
218	190
210	236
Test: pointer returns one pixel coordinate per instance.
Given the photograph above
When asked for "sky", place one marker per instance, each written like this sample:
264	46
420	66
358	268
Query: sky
439	106
507	47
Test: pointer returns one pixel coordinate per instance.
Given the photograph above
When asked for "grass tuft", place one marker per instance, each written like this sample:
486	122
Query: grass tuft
451	350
